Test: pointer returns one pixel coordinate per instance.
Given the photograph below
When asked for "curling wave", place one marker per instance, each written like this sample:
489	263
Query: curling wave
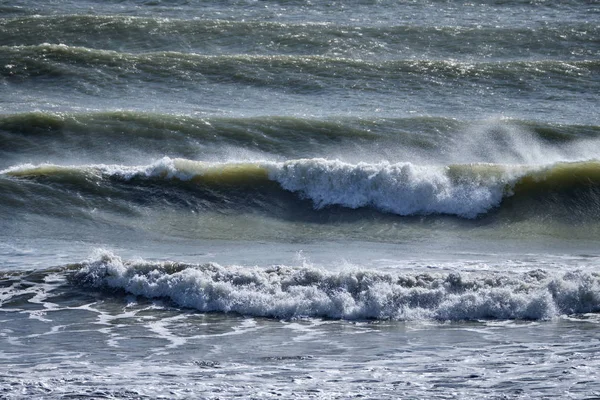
401	188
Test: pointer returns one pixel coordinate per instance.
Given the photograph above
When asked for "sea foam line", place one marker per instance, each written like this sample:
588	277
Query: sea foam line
287	292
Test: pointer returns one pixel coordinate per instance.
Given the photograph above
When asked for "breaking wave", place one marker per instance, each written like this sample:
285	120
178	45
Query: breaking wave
288	292
464	190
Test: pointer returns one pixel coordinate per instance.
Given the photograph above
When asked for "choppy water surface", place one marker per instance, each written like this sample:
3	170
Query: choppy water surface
275	199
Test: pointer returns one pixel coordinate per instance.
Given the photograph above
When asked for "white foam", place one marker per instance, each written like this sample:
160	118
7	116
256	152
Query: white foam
401	188
286	292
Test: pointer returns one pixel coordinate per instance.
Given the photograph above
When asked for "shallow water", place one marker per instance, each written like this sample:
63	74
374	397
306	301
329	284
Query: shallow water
164	352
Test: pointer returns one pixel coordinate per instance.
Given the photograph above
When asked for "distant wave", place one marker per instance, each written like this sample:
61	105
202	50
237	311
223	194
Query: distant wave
323	65
167	126
48	136
125	130
401	188
288	292
298	73
123	32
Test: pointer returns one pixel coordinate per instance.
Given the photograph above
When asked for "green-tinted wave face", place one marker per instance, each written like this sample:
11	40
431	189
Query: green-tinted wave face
125	137
562	191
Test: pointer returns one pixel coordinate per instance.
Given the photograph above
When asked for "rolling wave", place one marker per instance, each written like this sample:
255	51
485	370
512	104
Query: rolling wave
405	189
120	136
310	292
296	73
301	292
186	136
165	126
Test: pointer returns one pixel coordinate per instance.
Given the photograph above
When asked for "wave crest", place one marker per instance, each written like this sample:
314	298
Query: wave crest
466	190
402	188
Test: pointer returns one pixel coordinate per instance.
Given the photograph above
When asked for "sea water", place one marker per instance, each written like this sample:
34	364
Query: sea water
277	199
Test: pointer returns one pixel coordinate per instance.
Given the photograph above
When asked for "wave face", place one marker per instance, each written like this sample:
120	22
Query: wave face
125	137
402	188
286	292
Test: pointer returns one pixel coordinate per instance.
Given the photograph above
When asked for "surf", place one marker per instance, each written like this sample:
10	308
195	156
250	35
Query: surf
289	292
405	189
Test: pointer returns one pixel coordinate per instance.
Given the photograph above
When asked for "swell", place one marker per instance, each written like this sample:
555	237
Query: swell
406	189
142	34
62	134
120	135
308	292
298	74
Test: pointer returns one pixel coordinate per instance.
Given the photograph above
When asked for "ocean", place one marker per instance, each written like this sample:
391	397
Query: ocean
299	199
